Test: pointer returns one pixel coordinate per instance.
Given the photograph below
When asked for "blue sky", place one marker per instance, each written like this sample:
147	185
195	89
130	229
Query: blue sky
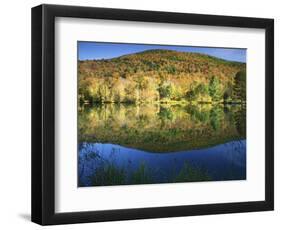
101	50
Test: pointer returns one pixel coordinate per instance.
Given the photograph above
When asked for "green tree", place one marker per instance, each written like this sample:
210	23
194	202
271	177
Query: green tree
228	92
190	95
165	90
84	95
171	69
201	91
198	92
215	89
240	86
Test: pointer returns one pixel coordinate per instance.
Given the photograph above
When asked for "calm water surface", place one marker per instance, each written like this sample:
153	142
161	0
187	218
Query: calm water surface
129	144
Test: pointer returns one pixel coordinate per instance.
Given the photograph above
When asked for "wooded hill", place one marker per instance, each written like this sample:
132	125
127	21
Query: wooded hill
161	76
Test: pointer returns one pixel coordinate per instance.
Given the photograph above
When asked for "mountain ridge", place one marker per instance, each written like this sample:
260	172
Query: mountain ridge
167	51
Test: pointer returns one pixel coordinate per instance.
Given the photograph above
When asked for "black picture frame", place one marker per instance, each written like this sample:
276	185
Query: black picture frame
43	114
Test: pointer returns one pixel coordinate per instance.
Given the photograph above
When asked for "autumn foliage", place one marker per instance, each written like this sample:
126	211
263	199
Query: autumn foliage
161	76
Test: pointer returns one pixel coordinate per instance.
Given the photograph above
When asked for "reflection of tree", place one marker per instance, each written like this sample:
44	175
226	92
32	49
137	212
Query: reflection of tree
165	113
240	121
216	116
229	111
198	114
160	128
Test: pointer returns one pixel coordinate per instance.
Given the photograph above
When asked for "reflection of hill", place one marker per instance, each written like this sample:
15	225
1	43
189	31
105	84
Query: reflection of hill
161	128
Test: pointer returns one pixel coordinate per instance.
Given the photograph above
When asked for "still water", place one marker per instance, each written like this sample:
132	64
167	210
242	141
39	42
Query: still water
144	144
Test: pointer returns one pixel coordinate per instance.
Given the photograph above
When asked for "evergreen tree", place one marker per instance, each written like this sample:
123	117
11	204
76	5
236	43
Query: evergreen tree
215	88
240	86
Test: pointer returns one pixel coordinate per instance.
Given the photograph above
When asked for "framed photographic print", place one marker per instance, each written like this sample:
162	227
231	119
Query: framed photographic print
142	114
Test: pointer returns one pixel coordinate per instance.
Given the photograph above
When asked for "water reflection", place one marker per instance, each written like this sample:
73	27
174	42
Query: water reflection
161	128
161	143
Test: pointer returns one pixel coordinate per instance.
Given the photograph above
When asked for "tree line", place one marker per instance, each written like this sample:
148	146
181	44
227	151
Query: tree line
146	89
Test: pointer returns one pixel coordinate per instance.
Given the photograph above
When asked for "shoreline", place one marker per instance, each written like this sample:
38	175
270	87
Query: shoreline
165	103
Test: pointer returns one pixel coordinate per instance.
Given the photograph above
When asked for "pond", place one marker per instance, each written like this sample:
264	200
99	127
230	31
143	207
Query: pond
122	144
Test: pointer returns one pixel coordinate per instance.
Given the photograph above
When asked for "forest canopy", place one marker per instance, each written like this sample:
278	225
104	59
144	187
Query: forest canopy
162	76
